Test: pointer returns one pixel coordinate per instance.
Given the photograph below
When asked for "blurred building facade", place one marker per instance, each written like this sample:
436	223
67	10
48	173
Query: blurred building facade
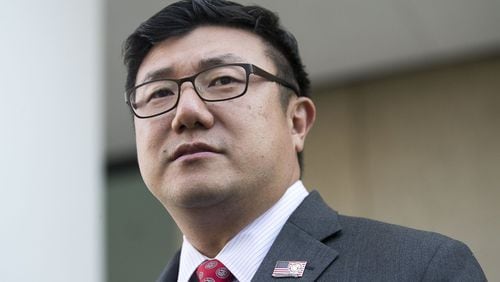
407	132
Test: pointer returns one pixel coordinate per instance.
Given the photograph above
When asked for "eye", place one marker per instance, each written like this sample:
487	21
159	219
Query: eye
223	80
161	93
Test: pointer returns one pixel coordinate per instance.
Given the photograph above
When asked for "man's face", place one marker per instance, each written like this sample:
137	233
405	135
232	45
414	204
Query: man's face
204	153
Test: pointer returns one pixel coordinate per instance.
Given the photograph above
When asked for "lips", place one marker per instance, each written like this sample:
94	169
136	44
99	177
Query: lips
192	148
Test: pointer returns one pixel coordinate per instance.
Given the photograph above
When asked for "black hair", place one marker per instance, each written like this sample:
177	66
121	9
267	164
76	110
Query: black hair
184	16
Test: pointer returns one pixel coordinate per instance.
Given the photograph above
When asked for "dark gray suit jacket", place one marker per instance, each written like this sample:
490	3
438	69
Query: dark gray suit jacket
342	248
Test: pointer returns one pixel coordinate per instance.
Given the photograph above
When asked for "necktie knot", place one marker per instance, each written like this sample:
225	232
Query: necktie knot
213	271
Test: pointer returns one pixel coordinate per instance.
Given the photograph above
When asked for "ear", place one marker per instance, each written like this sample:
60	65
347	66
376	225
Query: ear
301	118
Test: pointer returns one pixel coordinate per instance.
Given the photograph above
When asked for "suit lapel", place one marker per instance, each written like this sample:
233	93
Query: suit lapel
171	271
300	240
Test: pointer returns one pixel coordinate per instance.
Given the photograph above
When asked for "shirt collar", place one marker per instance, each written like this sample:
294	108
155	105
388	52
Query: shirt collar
254	240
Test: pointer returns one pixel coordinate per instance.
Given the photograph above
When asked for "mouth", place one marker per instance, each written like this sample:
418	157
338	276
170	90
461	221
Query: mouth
192	150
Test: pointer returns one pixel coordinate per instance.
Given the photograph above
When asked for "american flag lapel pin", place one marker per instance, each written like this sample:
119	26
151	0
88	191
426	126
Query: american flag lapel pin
289	268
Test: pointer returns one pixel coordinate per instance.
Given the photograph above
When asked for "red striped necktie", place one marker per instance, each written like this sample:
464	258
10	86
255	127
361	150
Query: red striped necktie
213	271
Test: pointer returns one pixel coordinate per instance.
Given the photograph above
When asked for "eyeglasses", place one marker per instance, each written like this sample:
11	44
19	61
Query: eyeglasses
216	84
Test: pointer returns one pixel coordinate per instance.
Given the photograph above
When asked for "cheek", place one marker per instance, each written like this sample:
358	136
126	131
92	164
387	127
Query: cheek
262	128
148	142
141	136
148	135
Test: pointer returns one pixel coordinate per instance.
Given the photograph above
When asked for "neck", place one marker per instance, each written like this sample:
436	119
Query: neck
209	229
210	236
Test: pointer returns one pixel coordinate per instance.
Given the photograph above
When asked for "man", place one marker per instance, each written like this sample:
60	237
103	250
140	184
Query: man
222	110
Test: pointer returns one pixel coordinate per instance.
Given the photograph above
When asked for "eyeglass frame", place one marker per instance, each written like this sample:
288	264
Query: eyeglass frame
249	69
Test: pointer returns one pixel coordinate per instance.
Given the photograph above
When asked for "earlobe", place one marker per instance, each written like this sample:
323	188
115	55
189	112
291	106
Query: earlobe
302	117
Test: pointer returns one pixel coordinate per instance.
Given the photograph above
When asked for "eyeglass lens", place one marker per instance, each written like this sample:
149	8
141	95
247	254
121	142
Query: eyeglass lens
215	84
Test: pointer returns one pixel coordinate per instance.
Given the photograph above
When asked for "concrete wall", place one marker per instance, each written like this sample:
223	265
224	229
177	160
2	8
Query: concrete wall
51	213
418	149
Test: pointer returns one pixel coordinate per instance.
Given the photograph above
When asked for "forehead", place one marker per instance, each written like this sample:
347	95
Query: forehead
184	55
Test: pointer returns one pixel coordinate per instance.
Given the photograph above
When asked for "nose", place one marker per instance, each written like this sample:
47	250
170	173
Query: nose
191	111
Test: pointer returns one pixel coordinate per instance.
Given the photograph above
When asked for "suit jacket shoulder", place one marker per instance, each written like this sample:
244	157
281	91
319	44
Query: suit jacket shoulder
343	248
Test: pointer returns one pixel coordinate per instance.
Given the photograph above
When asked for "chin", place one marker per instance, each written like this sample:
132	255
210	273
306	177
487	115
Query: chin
193	195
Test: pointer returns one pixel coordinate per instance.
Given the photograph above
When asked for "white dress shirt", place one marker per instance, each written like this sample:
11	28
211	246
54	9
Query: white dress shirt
244	253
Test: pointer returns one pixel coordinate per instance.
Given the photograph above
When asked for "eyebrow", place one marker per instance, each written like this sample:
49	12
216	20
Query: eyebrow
203	64
219	60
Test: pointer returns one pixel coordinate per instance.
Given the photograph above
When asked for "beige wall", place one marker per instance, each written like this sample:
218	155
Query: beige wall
419	149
